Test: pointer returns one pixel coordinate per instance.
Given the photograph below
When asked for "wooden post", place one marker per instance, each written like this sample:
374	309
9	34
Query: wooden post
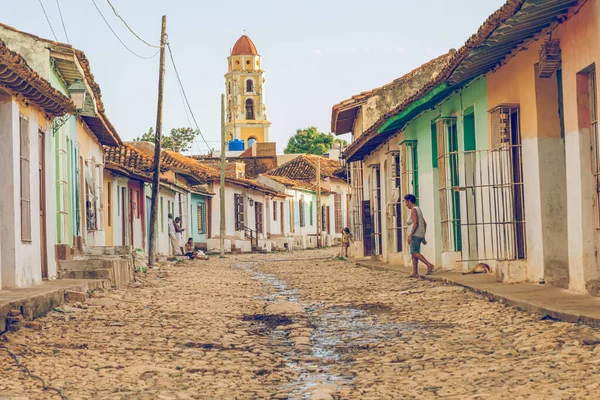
222	189
156	175
319	214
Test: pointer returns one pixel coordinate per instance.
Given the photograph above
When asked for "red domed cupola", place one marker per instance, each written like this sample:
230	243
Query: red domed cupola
244	47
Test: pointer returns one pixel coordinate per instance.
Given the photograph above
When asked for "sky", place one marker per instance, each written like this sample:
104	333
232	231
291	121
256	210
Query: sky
315	53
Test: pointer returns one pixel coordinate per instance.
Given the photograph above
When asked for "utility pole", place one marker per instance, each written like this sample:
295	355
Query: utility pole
319	213
157	141
222	190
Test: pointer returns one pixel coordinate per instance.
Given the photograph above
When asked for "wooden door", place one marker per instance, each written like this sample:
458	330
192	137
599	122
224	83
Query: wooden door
281	220
42	189
123	217
130	217
258	217
367	228
517	178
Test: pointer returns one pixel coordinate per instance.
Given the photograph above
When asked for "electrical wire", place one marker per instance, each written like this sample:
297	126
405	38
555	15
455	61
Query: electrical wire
62	21
185	95
118	38
48	19
187	115
128	27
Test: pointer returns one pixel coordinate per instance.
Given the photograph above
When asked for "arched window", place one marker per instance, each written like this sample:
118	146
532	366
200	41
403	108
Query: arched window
230	111
229	89
249	109
249	86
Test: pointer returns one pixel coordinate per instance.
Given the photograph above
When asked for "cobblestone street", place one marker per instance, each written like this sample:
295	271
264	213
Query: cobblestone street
296	325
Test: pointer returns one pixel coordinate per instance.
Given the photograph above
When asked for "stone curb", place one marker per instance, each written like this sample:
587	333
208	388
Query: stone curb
521	304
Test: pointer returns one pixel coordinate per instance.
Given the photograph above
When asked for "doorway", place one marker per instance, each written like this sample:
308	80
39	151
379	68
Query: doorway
42	190
367	227
281	220
130	217
123	216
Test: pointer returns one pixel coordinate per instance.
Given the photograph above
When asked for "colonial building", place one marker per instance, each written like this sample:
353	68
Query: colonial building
28	103
74	177
501	149
298	177
375	164
245	88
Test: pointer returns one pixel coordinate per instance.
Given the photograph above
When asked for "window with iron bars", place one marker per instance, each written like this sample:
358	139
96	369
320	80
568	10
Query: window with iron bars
448	175
376	209
487	186
590	76
356	172
201	218
394	202
409	167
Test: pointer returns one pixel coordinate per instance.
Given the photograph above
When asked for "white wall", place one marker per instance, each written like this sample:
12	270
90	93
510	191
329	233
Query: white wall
20	262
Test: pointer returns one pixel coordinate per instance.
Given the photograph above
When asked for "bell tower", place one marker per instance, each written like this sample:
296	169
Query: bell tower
245	93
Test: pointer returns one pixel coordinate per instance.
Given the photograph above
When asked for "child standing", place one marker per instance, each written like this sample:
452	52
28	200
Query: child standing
346	238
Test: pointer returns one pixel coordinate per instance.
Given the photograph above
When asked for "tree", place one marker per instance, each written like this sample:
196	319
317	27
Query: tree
311	141
183	137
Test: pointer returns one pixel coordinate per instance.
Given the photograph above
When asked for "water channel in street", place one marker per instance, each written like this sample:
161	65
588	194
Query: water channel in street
337	332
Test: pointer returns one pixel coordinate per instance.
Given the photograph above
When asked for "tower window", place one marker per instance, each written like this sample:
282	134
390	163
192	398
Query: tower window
229	88
249	109
249	86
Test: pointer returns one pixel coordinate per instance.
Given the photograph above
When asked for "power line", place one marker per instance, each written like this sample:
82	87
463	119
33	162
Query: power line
184	94
48	19
130	30
187	115
117	36
62	21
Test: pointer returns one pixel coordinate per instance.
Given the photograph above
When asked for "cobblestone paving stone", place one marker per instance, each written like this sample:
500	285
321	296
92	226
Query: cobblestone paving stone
298	325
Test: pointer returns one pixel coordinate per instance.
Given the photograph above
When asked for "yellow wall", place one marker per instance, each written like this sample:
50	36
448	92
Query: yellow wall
516	81
258	133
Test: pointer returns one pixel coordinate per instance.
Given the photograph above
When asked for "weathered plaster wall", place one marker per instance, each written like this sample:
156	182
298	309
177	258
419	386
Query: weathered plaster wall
580	49
20	262
33	50
391	95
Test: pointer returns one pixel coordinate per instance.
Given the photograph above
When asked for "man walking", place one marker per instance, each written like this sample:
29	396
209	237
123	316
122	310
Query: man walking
417	228
172	236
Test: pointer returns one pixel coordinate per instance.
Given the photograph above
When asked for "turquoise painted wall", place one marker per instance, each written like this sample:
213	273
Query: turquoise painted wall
197	201
469	102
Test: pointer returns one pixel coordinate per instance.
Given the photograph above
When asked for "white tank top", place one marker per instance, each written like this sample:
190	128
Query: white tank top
420	231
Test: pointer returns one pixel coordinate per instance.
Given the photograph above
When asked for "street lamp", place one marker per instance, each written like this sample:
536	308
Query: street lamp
78	93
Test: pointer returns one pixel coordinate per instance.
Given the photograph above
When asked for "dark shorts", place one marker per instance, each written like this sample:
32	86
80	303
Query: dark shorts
415	244
190	255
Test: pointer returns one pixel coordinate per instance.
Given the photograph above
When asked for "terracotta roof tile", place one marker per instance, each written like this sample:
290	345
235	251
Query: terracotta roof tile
129	159
180	163
304	167
21	80
297	184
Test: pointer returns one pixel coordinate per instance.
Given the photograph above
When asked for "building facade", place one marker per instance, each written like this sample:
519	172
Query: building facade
245	87
500	149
